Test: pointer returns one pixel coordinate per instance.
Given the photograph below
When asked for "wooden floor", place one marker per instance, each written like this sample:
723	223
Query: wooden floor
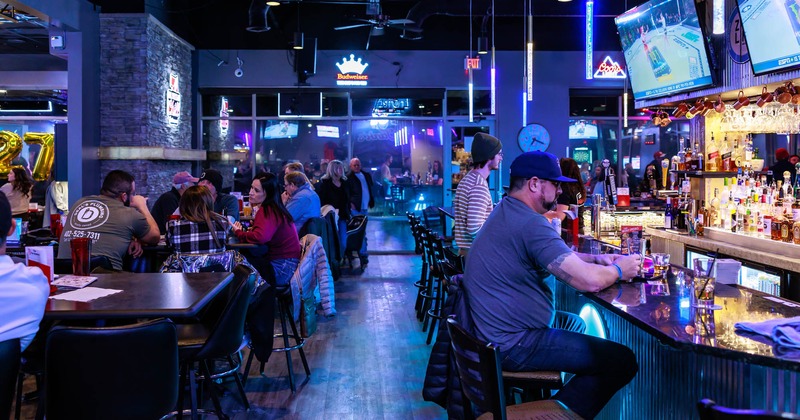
368	362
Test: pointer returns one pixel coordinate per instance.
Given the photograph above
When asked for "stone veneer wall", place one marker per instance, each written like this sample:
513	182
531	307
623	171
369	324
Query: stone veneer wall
137	55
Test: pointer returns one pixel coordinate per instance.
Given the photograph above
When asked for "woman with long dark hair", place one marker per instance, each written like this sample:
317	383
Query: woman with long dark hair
273	228
199	230
18	190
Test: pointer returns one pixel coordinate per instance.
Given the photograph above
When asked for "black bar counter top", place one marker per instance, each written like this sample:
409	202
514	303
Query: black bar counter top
686	354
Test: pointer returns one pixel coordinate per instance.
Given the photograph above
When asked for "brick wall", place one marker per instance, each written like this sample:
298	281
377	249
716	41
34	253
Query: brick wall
137	56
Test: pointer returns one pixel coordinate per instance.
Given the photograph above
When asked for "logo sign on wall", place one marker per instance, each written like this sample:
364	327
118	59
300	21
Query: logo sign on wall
173	100
351	72
223	113
737	47
609	69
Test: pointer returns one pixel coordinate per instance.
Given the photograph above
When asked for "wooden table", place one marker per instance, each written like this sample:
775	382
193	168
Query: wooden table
144	295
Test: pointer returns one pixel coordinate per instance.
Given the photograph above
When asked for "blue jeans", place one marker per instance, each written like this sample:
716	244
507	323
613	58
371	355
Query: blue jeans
601	367
284	269
342	227
362	253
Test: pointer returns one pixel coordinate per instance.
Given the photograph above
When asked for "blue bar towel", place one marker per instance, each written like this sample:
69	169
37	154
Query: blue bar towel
785	332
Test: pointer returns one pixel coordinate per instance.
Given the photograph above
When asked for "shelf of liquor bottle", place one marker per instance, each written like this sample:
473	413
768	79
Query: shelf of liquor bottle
756	249
715	174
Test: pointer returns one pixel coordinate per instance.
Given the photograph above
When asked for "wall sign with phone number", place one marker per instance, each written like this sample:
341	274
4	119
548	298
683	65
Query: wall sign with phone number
11	146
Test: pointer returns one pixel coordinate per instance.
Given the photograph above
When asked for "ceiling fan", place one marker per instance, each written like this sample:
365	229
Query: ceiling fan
379	22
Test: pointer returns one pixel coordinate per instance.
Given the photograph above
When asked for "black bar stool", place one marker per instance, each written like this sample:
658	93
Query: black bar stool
286	313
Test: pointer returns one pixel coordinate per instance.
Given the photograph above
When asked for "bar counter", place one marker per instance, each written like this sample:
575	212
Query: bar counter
685	354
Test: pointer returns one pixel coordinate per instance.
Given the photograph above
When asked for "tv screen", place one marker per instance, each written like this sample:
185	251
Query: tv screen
664	48
772	31
328	131
300	104
580	130
280	130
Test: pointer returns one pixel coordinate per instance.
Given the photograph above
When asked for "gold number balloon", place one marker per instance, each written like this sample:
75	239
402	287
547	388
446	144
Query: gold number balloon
44	162
10	146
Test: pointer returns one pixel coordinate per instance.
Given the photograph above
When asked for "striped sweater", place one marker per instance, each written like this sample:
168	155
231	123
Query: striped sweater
471	206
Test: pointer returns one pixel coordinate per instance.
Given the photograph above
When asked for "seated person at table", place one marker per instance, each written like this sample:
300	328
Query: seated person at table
168	202
509	265
200	230
272	227
23	290
224	204
18	190
300	199
113	220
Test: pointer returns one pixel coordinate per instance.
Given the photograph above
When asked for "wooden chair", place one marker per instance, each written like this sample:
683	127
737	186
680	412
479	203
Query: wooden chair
709	410
478	365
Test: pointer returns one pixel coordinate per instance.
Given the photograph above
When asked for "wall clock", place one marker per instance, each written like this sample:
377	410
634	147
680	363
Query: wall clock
533	137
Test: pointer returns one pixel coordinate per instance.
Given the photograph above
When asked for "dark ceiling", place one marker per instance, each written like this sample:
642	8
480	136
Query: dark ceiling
445	24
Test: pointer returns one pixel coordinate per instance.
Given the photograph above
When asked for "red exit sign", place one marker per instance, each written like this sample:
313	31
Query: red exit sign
472	63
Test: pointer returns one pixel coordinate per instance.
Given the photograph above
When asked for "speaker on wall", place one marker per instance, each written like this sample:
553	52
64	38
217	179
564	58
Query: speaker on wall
305	61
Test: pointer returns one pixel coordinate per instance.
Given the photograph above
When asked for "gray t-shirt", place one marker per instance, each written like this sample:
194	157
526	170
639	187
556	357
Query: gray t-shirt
505	279
109	224
364	191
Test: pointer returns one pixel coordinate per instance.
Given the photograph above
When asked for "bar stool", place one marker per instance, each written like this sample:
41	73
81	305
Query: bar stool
285	312
433	295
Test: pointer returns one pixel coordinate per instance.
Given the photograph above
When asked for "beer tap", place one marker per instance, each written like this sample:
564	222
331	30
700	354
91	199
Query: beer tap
609	183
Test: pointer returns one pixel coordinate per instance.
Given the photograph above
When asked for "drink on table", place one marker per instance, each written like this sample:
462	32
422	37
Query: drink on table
660	264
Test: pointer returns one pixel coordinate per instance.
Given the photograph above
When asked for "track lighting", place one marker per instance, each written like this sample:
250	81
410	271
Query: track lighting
298	41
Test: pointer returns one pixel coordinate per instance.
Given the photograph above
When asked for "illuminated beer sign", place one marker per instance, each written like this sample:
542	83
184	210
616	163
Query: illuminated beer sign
173	100
609	69
351	72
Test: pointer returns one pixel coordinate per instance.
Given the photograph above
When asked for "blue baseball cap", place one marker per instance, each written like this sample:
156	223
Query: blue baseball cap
542	165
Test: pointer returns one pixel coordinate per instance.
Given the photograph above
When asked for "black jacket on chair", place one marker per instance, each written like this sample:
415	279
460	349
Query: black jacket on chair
442	384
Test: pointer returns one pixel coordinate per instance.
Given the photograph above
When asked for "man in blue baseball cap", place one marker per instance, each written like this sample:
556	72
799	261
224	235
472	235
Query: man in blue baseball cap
511	303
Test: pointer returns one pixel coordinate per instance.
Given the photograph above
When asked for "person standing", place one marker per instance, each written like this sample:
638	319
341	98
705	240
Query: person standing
333	191
361	200
168	202
782	164
473	202
386	175
114	220
23	290
224	204
509	266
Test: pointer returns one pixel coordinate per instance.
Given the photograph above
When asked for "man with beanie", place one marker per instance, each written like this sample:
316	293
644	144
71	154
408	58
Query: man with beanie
782	165
361	200
473	203
23	290
509	268
224	204
168	202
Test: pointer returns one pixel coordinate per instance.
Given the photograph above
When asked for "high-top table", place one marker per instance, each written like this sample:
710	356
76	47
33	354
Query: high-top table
144	295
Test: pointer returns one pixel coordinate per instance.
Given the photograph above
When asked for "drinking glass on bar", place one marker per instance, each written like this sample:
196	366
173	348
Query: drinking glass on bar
704	283
660	264
55	225
81	254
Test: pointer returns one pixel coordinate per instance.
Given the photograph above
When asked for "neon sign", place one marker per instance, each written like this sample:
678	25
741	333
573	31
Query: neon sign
609	69
173	100
589	38
472	63
390	106
223	113
351	72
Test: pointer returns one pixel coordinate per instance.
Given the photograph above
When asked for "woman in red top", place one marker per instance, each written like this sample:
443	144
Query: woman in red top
274	228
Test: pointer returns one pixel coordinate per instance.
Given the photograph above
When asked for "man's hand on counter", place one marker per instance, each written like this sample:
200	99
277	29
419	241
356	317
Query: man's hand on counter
606	259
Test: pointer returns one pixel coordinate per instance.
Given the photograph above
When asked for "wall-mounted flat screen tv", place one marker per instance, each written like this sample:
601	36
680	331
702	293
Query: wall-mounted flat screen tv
664	48
328	131
280	130
581	129
772	31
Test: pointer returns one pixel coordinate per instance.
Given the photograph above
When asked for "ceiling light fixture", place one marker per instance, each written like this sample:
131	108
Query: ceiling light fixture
273	3
257	17
298	36
483	44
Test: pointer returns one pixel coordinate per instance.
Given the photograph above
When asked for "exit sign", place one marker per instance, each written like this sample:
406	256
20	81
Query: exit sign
472	63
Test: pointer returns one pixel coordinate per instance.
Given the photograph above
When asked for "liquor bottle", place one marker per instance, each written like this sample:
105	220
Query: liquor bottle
698	156
689	156
681	155
668	214
713	210
725	153
788	199
796	202
736	155
701	220
786	227
724	213
748	150
714	161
